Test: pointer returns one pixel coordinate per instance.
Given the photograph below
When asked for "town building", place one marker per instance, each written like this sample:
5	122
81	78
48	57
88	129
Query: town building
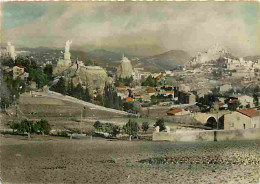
18	71
242	119
186	97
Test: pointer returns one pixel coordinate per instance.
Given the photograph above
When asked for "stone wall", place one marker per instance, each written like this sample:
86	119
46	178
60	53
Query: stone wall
208	135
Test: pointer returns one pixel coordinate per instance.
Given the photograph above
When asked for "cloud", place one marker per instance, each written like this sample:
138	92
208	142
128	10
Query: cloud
191	26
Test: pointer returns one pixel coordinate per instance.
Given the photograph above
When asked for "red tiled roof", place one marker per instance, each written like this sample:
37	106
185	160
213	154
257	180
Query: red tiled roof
150	90
220	104
20	66
128	99
171	92
174	111
121	86
251	112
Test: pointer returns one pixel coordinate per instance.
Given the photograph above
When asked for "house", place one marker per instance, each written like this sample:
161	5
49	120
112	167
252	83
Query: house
150	91
242	119
186	97
18	71
222	106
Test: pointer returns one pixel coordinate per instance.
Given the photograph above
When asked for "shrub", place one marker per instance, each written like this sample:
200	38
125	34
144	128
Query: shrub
115	130
145	126
43	126
13	125
131	127
160	123
97	125
109	128
63	134
26	126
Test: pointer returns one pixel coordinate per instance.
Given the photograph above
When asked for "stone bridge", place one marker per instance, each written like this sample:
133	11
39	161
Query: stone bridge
212	119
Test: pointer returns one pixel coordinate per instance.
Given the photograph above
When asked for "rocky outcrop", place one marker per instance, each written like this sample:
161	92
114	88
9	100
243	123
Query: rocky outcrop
125	69
94	77
214	53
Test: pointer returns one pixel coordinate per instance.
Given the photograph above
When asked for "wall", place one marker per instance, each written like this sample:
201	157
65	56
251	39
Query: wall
208	135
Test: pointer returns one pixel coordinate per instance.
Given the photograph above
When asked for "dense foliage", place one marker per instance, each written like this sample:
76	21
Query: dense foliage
11	88
150	81
111	99
145	126
124	81
160	123
30	127
109	128
68	89
131	127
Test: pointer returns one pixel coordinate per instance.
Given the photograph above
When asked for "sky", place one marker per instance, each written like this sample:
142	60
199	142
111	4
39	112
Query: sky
139	28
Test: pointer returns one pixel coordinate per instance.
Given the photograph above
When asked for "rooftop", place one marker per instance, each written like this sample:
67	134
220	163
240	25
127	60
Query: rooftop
174	111
251	112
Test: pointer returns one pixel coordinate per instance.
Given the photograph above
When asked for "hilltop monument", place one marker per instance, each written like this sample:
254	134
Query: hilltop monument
11	50
67	50
125	69
64	63
93	77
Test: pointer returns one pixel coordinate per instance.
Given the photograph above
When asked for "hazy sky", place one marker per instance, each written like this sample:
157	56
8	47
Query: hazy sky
143	28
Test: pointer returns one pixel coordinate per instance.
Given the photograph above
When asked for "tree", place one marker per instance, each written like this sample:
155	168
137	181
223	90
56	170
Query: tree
14	125
40	78
160	123
48	70
78	92
86	96
136	107
27	126
150	81
256	101
60	87
70	88
99	99
43	126
131	128
113	130
145	126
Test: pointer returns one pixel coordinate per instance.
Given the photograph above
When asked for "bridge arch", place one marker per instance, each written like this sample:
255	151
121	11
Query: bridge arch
212	122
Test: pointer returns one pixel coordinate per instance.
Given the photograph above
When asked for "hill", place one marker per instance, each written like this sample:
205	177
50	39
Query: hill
252	58
168	60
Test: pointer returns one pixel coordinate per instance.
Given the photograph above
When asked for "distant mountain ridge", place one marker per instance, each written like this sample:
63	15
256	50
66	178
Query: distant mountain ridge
168	60
252	58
